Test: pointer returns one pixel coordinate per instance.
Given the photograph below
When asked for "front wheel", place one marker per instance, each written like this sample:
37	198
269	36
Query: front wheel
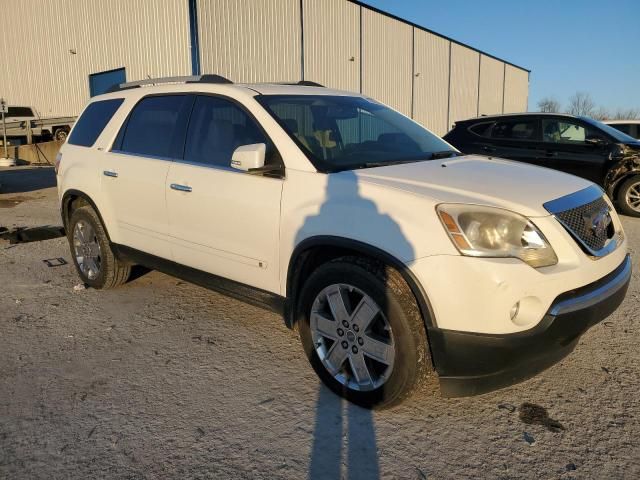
362	332
628	197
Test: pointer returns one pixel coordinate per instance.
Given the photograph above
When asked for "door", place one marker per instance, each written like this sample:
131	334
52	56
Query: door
572	146
224	221
513	139
135	171
101	82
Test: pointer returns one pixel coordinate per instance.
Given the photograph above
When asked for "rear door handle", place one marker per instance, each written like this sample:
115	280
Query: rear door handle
550	153
180	188
488	149
110	173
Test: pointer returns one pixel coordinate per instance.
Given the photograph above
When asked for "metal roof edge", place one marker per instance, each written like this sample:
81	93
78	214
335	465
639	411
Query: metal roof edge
425	29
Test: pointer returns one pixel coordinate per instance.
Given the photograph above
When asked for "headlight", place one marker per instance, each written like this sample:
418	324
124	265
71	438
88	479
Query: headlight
493	232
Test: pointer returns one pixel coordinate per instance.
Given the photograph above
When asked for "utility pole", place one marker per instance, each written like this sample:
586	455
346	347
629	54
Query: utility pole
5	161
4	109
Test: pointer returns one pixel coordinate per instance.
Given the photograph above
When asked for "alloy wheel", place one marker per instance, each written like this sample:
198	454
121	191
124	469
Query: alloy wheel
352	337
632	196
87	249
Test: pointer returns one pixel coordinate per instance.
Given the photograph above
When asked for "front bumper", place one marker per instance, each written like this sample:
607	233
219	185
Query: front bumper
473	363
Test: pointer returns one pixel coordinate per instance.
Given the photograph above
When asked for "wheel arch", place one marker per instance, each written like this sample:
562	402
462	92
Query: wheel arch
69	198
315	251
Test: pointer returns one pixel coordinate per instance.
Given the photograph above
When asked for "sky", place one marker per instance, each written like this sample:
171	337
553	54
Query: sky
570	46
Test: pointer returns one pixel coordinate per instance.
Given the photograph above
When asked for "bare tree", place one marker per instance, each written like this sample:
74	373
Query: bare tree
601	114
581	104
628	114
549	105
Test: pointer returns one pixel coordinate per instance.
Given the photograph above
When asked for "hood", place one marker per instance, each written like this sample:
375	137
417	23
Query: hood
515	186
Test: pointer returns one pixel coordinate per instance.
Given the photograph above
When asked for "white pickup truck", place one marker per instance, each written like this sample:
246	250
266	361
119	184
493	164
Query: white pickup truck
20	119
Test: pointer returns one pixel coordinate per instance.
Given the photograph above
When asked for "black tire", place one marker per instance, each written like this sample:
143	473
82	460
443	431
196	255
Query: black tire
60	134
112	272
412	367
622	198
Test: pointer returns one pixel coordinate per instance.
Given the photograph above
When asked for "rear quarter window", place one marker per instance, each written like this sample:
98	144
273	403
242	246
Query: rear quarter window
92	122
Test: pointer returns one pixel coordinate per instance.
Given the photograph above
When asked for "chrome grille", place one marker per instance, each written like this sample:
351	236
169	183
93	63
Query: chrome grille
590	223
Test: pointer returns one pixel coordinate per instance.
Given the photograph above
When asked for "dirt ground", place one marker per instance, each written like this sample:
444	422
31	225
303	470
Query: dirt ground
163	379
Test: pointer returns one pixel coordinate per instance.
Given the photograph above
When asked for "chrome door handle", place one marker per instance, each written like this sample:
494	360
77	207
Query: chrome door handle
180	188
110	173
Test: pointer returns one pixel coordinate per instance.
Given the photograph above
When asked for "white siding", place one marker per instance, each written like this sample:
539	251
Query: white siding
332	43
464	83
250	41
491	85
516	90
431	88
387	68
37	39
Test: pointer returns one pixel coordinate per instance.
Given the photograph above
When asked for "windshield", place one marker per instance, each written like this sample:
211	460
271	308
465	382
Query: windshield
19	112
617	134
344	133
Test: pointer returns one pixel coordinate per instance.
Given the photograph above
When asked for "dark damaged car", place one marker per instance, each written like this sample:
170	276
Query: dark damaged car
576	145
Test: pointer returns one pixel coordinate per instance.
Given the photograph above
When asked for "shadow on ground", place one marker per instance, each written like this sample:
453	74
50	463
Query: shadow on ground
342	426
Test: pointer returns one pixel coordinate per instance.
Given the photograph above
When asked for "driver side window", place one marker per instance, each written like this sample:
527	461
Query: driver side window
217	127
563	131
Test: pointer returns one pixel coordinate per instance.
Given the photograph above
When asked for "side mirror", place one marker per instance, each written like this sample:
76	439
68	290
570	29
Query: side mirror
249	157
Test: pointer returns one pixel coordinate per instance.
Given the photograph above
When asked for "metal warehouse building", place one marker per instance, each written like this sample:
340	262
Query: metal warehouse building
62	51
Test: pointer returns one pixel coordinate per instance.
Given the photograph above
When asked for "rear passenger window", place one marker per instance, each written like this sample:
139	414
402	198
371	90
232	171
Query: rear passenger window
92	121
515	130
217	127
482	129
156	127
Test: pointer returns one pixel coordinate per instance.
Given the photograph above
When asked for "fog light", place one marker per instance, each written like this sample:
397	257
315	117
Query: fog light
514	311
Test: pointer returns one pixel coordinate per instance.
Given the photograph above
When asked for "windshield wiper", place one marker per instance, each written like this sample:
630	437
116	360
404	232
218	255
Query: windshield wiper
385	164
444	154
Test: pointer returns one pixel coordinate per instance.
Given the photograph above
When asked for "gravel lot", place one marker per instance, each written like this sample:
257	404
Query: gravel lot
163	379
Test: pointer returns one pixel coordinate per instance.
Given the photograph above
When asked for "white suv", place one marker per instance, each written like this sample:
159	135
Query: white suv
399	260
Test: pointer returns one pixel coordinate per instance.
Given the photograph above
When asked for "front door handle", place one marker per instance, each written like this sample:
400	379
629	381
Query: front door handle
488	149
180	188
550	153
110	173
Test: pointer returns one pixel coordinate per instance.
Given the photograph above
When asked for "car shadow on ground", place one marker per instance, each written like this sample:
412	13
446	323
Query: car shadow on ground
23	180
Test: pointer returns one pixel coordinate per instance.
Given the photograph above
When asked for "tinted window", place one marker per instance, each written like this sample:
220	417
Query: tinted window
563	131
153	128
482	129
20	112
217	127
515	130
344	133
623	127
92	121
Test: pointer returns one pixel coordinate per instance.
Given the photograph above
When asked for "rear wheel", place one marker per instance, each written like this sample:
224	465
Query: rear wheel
362	332
628	197
95	262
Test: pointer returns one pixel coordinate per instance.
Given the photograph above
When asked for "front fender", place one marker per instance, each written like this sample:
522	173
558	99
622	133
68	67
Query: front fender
626	165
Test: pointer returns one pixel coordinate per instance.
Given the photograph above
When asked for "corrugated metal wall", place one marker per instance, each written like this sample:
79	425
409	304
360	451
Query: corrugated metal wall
516	89
39	35
346	45
491	86
251	41
332	43
465	66
387	60
431	81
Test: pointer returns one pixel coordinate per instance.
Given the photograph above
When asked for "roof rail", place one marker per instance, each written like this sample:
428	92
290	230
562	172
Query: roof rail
157	81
